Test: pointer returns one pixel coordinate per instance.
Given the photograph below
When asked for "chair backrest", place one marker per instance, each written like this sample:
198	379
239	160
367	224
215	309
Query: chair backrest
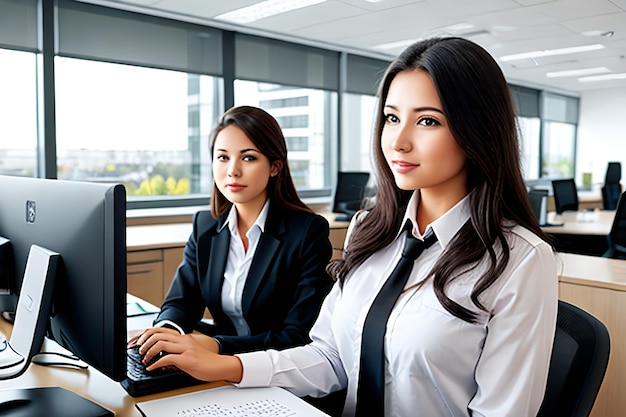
579	359
613	173
565	195
610	195
617	235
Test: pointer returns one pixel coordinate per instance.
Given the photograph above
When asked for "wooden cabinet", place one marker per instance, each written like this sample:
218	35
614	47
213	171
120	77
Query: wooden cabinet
171	259
150	272
145	275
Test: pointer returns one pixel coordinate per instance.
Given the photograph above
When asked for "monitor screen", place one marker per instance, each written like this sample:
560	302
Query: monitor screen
86	223
349	192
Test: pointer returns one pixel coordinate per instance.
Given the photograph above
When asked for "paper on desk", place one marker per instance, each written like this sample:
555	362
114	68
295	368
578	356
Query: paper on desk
231	401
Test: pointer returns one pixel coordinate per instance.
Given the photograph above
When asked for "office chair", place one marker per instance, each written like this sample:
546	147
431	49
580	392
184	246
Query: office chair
610	195
613	173
612	189
579	359
565	195
617	236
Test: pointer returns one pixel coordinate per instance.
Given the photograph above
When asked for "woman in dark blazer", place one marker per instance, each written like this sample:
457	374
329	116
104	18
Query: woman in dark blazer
256	260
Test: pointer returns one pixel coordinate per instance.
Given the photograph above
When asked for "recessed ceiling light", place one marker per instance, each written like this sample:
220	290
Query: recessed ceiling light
603	33
551	52
620	76
578	72
265	9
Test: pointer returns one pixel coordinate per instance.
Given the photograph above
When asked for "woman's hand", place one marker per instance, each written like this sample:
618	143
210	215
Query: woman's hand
195	354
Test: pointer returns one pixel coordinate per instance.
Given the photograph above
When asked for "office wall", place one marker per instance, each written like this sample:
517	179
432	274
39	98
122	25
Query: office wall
601	132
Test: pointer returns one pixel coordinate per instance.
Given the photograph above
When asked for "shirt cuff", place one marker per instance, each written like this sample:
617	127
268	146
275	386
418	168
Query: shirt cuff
170	324
257	369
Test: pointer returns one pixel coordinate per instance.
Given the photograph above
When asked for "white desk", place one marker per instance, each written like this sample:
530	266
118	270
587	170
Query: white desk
585	222
88	383
583	232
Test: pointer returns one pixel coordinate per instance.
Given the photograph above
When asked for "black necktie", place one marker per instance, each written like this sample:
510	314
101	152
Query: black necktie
371	388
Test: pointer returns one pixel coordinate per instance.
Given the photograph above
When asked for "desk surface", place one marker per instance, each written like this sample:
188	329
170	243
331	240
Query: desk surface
88	383
162	236
592	271
592	223
575	269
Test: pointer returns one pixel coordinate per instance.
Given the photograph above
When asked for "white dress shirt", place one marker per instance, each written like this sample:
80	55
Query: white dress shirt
238	266
436	364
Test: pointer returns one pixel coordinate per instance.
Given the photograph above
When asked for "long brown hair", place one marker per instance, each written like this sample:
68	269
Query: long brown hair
266	134
477	103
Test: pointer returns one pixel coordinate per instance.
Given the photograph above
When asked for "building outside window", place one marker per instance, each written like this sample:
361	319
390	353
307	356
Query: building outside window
307	119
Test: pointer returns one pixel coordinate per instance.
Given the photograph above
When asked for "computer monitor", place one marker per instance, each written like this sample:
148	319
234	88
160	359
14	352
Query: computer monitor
86	224
349	193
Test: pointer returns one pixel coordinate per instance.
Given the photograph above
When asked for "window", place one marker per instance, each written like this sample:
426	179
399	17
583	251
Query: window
308	123
529	128
146	128
559	118
358	126
18	113
558	151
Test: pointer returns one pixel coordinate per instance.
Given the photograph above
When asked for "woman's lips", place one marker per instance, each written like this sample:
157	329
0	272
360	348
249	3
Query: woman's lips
235	187
402	167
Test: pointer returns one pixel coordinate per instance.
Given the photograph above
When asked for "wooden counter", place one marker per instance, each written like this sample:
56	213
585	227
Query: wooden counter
598	286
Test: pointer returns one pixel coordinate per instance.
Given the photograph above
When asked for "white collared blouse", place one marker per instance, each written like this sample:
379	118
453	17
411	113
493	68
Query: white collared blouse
436	364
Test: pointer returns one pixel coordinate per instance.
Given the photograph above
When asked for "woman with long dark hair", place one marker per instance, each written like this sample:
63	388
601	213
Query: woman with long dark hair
467	327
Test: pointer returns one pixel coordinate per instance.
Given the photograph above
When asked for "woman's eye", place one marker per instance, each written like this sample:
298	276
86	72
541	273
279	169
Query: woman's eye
428	121
221	158
249	158
391	118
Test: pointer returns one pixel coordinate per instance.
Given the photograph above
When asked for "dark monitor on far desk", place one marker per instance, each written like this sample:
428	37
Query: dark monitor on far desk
86	224
349	193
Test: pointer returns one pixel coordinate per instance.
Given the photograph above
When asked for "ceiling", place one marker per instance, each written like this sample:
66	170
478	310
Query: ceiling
503	27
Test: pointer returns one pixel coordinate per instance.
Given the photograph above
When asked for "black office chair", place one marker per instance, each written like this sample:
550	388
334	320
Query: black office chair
613	173
579	359
612	189
610	195
617	236
565	195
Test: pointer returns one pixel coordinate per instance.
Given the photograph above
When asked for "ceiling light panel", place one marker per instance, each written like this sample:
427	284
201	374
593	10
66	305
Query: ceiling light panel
265	9
552	52
578	72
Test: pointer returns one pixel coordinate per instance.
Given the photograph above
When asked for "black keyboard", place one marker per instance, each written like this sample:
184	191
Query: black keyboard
139	381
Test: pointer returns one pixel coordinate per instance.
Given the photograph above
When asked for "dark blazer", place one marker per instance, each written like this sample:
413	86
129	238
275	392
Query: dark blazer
285	287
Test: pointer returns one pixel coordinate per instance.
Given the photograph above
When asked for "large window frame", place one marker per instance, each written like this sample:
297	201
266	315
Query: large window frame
70	29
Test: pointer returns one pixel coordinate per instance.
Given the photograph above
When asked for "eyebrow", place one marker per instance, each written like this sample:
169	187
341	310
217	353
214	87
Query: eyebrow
417	109
241	151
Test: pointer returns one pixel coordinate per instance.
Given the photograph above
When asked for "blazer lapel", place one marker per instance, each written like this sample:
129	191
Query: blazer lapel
218	254
265	251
